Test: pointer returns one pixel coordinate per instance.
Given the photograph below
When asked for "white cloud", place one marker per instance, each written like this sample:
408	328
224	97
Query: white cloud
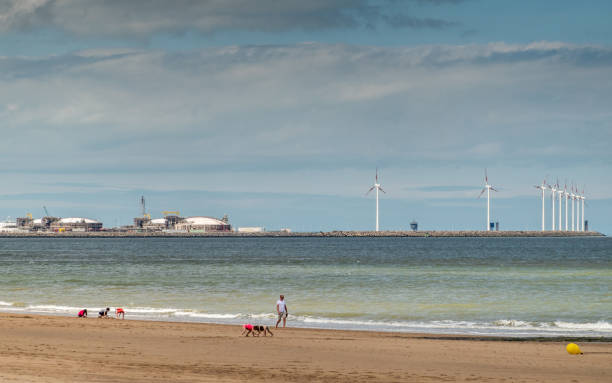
309	106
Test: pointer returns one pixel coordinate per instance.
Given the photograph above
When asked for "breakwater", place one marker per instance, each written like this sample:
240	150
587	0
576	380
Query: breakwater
271	234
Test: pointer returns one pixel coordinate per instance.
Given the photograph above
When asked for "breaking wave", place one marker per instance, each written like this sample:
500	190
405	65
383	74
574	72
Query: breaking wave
503	327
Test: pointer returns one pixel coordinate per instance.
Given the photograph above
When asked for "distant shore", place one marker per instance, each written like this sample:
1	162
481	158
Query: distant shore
278	234
68	349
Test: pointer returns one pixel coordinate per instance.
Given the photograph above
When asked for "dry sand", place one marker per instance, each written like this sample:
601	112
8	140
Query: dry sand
59	349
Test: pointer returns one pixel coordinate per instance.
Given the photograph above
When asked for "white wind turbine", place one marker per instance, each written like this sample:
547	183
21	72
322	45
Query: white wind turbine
573	198
543	188
582	197
377	188
578	197
553	189
567	196
488	189
560	205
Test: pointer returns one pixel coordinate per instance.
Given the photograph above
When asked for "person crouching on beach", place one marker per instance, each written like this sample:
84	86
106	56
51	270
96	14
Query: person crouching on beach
119	312
104	313
248	329
83	313
258	329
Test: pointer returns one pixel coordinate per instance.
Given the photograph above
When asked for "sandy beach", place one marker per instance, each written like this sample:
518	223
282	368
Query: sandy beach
62	349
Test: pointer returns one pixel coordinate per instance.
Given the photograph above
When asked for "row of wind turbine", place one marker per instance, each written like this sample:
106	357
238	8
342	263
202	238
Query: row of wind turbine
558	194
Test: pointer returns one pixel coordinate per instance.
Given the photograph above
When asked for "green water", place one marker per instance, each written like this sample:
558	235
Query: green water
518	286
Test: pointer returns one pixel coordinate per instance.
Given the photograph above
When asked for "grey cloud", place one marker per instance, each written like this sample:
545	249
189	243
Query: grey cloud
418	23
144	17
25	67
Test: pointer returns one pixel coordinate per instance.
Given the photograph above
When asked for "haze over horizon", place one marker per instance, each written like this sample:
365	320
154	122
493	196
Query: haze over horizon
278	113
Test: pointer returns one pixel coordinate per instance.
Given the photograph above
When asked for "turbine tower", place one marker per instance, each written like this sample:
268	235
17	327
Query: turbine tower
553	189
543	188
488	189
377	188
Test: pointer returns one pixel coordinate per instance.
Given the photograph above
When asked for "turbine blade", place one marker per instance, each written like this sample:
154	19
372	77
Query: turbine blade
486	176
483	190
372	188
381	189
492	188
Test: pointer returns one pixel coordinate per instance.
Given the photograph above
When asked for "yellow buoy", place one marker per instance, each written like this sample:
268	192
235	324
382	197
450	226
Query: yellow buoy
573	349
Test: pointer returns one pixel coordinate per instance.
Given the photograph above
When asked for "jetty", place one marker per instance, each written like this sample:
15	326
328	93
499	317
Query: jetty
283	234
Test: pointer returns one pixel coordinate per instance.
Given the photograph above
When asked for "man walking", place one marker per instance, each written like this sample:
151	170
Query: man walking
281	310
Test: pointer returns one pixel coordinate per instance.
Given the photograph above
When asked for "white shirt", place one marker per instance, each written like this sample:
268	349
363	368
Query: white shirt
281	305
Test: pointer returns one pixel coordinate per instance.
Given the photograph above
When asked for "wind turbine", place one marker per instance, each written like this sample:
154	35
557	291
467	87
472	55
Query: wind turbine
566	194
577	208
543	188
582	197
573	198
488	188
560	205
553	189
578	198
377	188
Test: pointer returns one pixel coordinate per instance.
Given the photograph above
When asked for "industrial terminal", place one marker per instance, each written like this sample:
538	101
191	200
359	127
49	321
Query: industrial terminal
171	222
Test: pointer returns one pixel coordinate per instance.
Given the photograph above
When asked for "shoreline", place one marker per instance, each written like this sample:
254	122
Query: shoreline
321	234
474	333
68	349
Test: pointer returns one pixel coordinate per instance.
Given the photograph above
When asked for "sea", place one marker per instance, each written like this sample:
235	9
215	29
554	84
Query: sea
520	287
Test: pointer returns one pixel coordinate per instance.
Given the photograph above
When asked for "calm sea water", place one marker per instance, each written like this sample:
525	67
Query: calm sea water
516	286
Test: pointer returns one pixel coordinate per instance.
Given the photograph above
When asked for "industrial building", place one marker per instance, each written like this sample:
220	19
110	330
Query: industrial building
57	224
174	222
251	230
7	226
202	224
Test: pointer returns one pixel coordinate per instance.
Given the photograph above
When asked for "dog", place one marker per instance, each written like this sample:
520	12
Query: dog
258	329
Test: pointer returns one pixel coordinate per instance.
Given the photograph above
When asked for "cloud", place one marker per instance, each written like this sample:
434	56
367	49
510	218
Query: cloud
406	21
294	109
145	17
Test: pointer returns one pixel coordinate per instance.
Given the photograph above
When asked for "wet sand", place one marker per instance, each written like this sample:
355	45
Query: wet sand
60	349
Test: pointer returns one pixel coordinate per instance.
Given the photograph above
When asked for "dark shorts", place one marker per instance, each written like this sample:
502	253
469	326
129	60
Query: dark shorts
282	315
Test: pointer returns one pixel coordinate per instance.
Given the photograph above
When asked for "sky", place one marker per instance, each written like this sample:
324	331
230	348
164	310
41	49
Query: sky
278	113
